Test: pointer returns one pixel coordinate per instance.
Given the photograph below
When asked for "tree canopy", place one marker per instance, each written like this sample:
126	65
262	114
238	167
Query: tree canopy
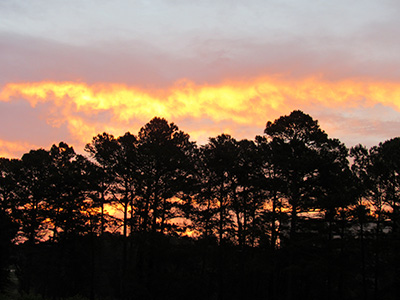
292	213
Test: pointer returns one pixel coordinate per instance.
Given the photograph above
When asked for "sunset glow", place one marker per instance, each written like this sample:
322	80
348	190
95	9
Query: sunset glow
204	149
211	68
8	149
251	102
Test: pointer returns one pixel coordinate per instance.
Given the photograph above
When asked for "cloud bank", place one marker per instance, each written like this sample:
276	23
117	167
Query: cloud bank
241	108
70	70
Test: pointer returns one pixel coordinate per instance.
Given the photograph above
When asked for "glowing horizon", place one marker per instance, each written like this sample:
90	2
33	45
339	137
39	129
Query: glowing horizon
89	109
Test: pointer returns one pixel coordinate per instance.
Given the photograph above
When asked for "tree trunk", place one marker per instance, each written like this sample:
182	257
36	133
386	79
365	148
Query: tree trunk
163	215
221	214
273	225
377	250
293	221
102	200
363	273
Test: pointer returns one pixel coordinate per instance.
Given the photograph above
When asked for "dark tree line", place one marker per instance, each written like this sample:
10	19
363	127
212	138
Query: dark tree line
292	214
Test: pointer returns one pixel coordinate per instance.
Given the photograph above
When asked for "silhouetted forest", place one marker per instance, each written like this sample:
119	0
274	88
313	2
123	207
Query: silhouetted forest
292	214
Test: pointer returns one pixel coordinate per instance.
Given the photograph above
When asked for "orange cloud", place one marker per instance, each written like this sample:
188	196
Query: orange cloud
14	149
241	103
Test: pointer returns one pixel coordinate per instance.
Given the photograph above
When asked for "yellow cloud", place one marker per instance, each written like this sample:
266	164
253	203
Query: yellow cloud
250	103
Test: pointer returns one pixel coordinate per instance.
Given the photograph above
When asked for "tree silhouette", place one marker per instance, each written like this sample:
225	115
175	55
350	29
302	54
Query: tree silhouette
220	156
308	167
8	180
117	158
387	156
33	194
297	141
8	229
70	205
246	202
279	217
383	192
116	183
166	170
270	187
362	210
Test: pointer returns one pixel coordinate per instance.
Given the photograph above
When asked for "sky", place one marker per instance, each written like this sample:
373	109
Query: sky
70	70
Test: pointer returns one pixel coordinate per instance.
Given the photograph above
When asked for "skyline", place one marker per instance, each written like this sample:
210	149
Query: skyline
71	71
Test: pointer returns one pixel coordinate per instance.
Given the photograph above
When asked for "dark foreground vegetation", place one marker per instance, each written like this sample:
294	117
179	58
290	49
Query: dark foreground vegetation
153	216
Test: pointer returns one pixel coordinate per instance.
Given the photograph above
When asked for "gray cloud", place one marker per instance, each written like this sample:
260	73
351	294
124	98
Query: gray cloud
201	59
160	42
